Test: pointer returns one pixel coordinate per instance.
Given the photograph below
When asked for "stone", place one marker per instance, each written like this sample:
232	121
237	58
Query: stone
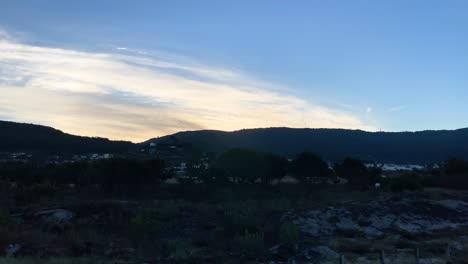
55	218
12	250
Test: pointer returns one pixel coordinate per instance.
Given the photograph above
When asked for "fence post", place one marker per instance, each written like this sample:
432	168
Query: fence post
382	256
342	259
416	255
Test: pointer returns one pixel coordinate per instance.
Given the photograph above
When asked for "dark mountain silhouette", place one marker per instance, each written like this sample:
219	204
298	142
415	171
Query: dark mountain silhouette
336	144
331	144
29	137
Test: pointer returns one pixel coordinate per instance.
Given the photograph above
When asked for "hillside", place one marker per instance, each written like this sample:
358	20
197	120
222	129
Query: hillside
29	137
335	144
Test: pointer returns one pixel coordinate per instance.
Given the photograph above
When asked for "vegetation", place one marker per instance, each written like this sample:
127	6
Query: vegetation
307	166
126	209
28	137
357	173
289	234
251	243
337	144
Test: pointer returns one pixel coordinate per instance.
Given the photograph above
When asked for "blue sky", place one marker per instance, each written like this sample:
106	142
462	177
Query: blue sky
390	65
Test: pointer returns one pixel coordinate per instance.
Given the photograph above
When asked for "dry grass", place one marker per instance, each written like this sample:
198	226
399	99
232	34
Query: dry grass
56	261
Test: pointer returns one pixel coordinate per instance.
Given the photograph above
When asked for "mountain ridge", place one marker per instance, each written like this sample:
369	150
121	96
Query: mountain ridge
32	137
426	146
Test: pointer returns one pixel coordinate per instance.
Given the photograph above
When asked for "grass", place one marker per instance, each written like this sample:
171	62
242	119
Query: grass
251	243
351	246
58	261
289	234
180	249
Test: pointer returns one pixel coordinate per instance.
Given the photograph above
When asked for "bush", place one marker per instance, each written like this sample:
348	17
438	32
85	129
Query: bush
251	243
289	234
454	174
145	223
35	192
358	175
236	221
307	165
243	165
6	221
180	249
355	246
405	183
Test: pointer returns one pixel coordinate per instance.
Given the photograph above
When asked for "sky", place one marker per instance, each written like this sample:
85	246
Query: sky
134	70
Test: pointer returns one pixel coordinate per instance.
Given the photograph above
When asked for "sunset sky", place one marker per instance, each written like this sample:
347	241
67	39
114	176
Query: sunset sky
135	70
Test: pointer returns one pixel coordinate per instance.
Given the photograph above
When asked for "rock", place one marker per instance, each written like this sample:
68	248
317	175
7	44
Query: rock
320	253
281	252
378	217
119	250
55	218
12	250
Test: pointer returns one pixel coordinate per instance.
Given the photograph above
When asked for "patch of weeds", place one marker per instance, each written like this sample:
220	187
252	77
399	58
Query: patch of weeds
146	223
403	243
180	249
354	246
348	232
407	235
36	192
168	210
278	205
250	243
61	260
236	221
6	221
289	234
364	222
333	219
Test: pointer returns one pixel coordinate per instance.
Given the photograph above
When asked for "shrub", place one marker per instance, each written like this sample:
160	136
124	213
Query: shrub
243	165
289	234
333	219
307	165
354	246
146	222
251	243
7	223
180	249
35	192
358	175
405	182
236	221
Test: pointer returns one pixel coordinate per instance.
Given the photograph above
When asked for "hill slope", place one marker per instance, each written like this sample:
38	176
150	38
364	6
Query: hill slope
335	144
29	137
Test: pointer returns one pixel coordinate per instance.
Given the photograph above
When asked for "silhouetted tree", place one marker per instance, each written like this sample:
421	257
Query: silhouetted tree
249	166
242	165
356	172
307	165
277	167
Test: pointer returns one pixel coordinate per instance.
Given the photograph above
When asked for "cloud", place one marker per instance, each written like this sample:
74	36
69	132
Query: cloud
369	110
135	96
396	108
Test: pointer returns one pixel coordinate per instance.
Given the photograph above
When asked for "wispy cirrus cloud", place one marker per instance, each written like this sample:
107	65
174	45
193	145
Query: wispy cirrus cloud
135	96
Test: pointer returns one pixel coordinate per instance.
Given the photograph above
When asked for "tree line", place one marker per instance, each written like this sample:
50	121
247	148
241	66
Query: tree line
234	167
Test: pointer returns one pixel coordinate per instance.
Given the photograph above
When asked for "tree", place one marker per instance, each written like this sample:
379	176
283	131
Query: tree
307	165
277	167
127	175
455	166
454	174
242	165
214	177
356	172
